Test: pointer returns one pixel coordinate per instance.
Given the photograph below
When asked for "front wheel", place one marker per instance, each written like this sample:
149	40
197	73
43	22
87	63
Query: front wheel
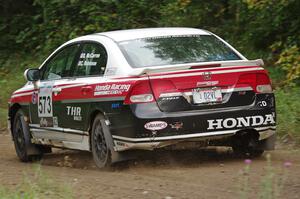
99	146
26	151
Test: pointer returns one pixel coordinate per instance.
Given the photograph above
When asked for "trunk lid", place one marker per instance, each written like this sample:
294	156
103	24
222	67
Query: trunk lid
204	86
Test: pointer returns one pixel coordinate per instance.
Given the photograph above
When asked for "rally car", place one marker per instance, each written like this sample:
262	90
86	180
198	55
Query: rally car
143	89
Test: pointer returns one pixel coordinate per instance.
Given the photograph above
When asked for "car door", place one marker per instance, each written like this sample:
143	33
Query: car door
77	94
44	108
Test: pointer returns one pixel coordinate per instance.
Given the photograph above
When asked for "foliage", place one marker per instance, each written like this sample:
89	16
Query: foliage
56	21
289	60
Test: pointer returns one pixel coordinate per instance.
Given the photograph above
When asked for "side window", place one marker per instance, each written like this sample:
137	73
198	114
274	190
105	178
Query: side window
60	65
92	60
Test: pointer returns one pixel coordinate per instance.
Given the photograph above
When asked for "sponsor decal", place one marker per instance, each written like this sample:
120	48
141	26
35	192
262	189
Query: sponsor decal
46	122
155	125
75	112
111	89
121	143
34	98
177	125
249	121
207	83
55	122
115	105
170	98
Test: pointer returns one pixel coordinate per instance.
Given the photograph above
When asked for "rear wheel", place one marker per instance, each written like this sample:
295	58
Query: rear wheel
245	144
26	151
100	149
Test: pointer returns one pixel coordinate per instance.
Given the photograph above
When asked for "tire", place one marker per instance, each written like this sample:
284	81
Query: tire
246	145
99	146
26	151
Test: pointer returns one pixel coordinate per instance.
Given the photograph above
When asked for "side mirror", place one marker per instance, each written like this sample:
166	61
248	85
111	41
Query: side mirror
32	74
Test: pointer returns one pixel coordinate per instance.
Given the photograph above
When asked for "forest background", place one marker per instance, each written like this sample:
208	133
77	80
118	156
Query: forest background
269	29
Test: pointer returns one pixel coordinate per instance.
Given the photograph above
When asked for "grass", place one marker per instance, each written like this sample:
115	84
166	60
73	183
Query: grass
11	78
3	117
271	182
38	185
288	112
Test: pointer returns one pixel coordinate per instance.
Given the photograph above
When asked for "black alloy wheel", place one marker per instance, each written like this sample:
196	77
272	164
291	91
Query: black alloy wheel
100	149
21	137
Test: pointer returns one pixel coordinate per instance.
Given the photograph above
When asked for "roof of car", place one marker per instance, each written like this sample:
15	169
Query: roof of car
123	35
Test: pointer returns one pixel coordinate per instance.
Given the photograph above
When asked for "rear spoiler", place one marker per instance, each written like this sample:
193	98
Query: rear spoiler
159	69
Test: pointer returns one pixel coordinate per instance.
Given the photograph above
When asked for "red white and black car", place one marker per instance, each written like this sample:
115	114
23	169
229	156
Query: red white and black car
143	89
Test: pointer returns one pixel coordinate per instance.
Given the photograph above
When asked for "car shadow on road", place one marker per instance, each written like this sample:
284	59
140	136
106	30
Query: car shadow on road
151	159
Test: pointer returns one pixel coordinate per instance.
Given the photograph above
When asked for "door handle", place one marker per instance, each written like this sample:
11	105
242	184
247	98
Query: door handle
56	91
86	89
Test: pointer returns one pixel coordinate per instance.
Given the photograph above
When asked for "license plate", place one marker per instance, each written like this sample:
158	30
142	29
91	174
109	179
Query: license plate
201	96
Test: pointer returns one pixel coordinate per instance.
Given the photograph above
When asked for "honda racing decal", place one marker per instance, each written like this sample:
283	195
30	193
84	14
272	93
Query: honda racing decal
111	89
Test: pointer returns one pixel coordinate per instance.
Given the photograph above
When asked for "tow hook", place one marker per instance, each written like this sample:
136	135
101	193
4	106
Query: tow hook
154	133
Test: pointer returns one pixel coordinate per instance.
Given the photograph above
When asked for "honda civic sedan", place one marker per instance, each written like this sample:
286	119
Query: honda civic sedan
113	93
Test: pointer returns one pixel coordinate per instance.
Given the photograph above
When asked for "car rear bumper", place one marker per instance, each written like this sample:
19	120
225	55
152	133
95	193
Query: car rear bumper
190	126
122	144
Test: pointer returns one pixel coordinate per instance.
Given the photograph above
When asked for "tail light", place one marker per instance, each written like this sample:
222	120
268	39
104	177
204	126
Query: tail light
141	98
140	93
260	82
161	86
263	83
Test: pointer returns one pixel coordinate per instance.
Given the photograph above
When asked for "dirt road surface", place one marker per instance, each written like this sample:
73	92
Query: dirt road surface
166	175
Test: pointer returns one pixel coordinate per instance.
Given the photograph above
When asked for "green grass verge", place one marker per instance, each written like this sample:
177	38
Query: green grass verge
38	185
3	117
11	78
288	112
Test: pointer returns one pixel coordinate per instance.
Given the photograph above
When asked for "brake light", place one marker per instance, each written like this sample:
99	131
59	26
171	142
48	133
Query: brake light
205	66
260	82
162	86
140	93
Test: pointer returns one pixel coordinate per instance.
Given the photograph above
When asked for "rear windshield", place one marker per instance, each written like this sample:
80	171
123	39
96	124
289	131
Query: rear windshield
159	51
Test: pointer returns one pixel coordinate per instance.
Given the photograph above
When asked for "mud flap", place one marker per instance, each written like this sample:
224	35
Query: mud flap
115	156
267	144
